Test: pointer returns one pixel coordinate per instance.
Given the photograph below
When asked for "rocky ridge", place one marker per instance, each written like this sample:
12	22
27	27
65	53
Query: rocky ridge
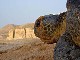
18	31
21	33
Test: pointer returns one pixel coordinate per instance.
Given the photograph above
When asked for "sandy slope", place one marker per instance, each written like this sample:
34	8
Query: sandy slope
27	49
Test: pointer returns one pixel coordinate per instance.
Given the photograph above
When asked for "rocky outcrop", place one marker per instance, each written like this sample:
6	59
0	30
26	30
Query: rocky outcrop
50	27
73	20
68	46
21	33
6	29
11	34
30	33
66	50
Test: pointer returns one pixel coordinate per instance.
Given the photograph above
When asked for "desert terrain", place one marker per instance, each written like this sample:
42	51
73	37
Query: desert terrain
24	49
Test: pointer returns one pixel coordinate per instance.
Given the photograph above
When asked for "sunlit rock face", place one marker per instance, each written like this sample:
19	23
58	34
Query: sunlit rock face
21	33
11	34
68	46
50	27
30	33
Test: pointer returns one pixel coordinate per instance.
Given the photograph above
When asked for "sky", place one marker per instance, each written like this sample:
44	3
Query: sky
27	11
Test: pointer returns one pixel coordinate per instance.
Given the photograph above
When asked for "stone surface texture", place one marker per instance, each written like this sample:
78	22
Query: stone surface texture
50	27
73	20
21	33
68	46
66	49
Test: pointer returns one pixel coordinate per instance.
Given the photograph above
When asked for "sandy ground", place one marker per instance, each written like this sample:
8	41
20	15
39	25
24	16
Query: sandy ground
26	49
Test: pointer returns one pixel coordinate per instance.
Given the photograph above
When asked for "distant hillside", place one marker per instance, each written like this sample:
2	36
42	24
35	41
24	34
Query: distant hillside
28	25
4	30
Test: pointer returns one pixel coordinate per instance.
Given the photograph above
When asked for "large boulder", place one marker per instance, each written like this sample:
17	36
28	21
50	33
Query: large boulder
68	46
50	27
73	20
66	49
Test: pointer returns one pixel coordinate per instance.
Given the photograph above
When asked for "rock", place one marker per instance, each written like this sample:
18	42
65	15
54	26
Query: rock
21	33
30	33
50	27
66	50
11	34
68	46
73	20
4	30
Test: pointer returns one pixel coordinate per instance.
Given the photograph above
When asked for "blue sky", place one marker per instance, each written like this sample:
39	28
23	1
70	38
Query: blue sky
26	11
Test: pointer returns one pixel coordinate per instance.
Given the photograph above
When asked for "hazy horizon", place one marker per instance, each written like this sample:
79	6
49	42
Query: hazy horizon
26	11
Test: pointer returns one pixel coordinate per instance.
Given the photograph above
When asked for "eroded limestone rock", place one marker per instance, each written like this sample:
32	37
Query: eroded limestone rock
21	33
30	33
11	34
50	27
